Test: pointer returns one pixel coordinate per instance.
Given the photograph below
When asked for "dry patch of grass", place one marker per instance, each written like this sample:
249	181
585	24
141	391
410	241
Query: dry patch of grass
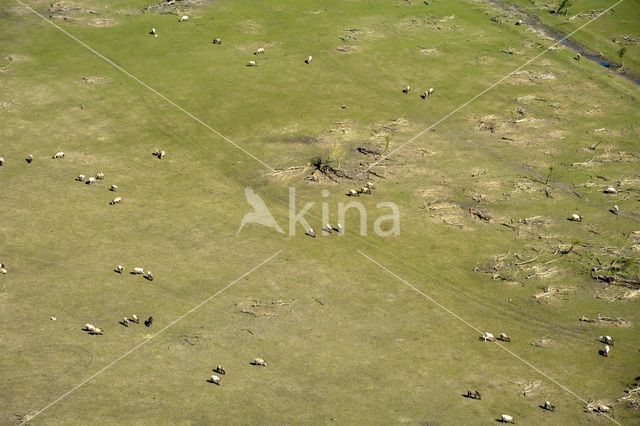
250	26
614	265
428	51
552	293
95	79
543	342
614	293
608	156
528	388
627	40
598	406
445	212
427	22
425	153
518	268
591	14
531	77
526	186
352	35
63	8
607	321
383	130
78	13
634	239
174	7
490	123
15	57
343	129
632	399
102	22
347	49
263	308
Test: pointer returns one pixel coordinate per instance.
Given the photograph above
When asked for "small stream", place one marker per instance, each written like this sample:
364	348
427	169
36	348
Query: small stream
533	22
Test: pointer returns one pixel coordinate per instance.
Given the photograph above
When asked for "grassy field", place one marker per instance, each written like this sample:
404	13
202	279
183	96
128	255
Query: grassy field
345	341
606	35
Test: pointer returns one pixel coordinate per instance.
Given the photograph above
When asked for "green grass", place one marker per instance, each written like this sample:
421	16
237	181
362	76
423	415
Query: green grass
604	35
352	344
